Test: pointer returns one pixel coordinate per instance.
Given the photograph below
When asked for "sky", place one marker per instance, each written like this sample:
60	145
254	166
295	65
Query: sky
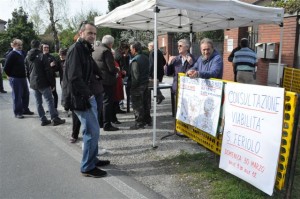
7	7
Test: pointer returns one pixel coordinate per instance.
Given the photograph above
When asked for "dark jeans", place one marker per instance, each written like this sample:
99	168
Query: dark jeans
20	94
1	82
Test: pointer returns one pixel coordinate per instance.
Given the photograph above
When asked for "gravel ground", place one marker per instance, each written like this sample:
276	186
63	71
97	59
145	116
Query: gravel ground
132	150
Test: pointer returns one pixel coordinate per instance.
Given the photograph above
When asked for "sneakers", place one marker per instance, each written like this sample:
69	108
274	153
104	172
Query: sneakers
102	163
19	116
57	121
28	112
137	126
94	173
45	122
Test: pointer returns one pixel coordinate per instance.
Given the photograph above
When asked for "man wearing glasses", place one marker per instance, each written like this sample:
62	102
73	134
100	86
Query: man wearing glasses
180	63
79	82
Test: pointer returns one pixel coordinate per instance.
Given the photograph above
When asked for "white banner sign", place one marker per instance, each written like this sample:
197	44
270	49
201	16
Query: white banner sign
199	102
252	133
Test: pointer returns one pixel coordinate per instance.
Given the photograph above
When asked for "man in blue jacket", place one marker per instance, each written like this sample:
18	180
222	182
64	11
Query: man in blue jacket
209	64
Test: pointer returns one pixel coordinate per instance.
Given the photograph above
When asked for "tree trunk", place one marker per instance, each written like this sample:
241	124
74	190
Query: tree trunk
55	36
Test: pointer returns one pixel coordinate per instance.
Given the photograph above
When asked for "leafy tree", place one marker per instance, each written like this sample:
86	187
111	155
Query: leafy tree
66	37
4	43
38	23
55	11
112	4
19	27
144	37
290	6
215	35
53	21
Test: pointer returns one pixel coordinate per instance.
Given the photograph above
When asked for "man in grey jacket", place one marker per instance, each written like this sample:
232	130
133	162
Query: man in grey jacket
105	61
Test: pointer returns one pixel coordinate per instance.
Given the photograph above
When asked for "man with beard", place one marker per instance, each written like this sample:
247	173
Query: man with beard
209	65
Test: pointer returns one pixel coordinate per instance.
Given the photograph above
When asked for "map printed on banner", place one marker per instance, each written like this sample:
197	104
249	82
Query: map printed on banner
199	102
252	133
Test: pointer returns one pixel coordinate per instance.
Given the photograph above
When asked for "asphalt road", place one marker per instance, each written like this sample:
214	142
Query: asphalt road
37	162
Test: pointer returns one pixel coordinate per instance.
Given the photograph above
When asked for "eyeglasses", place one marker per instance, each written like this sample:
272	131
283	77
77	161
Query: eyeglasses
83	23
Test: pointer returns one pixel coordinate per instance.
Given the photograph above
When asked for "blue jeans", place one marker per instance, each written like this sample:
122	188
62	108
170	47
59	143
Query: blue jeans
20	94
47	94
90	134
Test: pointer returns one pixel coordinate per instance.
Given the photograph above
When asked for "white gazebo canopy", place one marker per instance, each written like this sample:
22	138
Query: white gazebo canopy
179	15
188	16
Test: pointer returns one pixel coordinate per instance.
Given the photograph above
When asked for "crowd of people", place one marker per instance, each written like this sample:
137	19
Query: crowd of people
92	75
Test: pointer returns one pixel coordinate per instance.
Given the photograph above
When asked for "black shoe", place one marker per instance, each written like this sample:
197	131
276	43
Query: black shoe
110	128
19	116
117	122
28	112
45	122
3	91
94	173
149	123
159	100
102	163
137	126
180	134
57	121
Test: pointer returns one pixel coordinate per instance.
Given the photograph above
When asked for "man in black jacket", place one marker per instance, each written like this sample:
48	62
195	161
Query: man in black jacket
79	82
161	62
55	67
42	82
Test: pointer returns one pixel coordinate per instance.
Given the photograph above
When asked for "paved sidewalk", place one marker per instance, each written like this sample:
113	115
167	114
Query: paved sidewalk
132	151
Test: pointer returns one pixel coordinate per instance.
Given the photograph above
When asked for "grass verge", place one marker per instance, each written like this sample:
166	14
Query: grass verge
201	173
